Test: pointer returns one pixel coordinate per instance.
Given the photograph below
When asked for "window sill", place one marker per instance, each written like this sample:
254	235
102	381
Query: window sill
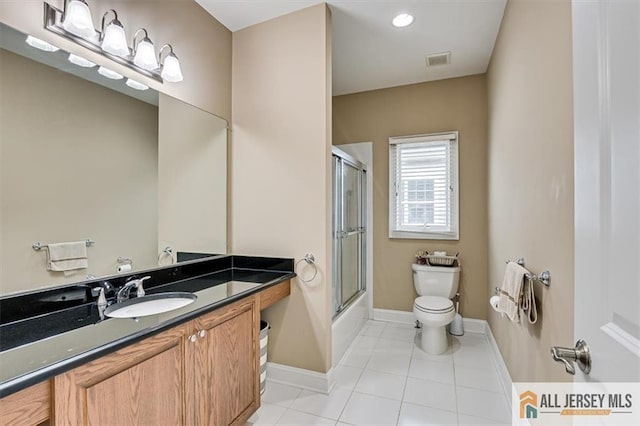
406	235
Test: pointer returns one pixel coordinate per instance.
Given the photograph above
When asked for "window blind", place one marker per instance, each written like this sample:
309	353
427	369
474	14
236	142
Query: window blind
423	186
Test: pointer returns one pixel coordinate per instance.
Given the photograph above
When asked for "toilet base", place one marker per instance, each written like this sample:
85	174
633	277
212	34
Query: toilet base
434	340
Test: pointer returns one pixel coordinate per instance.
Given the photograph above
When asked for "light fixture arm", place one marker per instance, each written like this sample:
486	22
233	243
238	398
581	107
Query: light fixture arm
137	41
64	9
162	50
114	20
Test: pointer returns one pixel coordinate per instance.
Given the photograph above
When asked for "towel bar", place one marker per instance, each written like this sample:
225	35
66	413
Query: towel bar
39	246
544	277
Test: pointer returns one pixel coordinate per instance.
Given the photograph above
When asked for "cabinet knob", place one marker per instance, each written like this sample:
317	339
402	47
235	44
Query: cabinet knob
192	338
202	333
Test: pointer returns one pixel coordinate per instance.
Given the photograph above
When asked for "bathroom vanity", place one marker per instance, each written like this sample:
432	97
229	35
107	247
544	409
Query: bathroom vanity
195	365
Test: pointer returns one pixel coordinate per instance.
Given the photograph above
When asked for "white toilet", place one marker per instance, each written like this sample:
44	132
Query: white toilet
435	285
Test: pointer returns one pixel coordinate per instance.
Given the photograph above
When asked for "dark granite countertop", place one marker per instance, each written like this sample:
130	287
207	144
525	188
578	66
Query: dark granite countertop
43	334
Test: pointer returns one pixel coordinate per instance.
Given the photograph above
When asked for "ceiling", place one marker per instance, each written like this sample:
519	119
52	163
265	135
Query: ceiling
369	53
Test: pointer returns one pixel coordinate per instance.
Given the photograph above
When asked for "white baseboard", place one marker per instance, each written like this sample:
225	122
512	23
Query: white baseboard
474	325
503	371
390	315
299	377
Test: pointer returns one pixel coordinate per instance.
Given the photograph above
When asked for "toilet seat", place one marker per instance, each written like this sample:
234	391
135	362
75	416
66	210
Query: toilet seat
433	305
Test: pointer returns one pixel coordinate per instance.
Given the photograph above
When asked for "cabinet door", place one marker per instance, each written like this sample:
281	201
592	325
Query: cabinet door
227	357
31	406
141	384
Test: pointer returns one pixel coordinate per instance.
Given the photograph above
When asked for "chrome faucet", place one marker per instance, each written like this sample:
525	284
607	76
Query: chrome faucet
123	293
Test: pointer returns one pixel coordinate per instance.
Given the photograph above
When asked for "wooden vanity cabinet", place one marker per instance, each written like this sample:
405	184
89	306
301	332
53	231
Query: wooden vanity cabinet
223	352
139	384
204	372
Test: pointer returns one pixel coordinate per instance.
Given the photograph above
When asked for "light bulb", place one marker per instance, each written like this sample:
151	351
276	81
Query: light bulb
80	61
402	20
115	39
171	69
41	44
77	19
106	72
145	56
136	85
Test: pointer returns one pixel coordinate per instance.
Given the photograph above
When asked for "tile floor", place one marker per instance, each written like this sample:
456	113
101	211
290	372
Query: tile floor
385	379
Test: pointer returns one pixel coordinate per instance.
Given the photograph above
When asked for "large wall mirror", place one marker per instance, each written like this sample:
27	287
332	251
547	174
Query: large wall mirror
83	157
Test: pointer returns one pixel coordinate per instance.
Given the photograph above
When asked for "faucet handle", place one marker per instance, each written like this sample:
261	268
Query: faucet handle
139	288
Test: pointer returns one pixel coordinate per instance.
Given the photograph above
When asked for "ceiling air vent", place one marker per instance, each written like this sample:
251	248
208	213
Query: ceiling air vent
443	58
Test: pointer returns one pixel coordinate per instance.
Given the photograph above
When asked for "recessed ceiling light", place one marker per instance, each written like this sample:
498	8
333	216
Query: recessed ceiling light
402	20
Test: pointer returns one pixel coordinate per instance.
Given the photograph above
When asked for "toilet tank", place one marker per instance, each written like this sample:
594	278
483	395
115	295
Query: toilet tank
435	280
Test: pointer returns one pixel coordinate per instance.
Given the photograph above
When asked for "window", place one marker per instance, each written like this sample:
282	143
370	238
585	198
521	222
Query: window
423	186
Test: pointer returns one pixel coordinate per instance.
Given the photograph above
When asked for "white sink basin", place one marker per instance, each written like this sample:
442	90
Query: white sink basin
150	305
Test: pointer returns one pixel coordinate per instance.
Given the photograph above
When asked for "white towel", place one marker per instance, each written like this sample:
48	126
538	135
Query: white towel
511	290
67	256
528	302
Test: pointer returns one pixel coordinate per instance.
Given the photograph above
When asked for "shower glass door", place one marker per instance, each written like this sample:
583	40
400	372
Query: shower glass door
350	231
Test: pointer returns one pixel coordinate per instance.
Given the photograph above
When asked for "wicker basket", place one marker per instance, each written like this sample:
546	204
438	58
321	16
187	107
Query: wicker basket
434	260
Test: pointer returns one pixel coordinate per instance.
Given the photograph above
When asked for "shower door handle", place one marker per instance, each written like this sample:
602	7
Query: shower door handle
351	232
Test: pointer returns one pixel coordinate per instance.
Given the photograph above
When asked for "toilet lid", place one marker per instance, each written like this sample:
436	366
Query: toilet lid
434	304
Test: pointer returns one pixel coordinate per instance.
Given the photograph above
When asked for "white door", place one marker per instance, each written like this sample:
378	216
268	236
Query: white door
606	43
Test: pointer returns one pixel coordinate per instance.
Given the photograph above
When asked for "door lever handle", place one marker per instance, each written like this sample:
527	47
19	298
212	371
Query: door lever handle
568	356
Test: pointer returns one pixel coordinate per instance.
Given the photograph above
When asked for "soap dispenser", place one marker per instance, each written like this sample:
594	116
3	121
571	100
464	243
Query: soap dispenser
102	300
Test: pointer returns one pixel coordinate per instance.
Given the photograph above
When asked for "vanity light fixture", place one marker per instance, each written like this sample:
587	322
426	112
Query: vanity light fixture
106	72
77	19
402	20
136	85
74	24
80	61
144	55
41	44
113	39
170	65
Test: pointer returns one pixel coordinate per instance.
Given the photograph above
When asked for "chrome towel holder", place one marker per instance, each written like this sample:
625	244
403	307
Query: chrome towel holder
310	259
39	246
544	277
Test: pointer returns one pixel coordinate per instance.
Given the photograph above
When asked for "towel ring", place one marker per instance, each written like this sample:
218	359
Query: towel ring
311	260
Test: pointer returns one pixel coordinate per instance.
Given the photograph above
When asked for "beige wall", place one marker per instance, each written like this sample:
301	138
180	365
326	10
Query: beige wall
445	105
192	176
531	177
202	44
281	164
56	186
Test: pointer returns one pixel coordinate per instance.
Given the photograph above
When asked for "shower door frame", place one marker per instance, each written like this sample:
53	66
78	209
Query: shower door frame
339	158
